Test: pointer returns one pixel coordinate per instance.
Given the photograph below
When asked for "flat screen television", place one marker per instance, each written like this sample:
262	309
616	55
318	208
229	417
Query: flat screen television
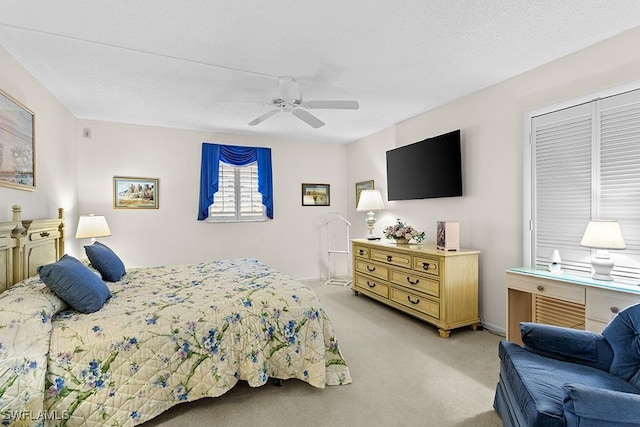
426	169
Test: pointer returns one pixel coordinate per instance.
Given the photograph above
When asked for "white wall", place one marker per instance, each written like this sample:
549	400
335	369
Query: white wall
491	121
490	212
292	242
55	153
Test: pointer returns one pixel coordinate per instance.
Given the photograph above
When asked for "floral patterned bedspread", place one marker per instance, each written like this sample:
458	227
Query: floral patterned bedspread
168	335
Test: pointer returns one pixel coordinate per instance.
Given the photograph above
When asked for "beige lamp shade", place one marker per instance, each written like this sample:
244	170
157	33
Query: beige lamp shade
370	200
603	234
92	226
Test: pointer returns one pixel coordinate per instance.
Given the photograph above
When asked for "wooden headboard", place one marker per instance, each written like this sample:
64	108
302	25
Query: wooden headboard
27	244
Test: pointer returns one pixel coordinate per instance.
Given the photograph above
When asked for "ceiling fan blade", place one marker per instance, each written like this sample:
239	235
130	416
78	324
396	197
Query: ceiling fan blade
262	118
308	118
289	89
337	105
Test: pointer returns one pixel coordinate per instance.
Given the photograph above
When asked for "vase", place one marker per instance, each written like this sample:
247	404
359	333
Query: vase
402	241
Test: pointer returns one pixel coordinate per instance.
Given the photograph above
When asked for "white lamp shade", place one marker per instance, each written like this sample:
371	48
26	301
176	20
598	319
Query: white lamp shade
370	200
92	226
603	234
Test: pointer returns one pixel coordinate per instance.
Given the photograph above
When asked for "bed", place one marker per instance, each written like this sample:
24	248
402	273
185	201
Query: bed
166	335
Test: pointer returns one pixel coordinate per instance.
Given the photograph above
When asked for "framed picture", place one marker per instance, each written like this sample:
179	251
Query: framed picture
17	145
135	193
364	185
315	194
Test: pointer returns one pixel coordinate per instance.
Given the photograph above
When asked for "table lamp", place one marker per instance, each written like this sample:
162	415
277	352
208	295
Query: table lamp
602	235
92	226
370	201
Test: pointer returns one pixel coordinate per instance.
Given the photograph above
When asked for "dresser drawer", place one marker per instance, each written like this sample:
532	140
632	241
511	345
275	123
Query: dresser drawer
393	258
427	265
372	285
547	287
361	251
371	269
603	306
415	302
45	234
414	281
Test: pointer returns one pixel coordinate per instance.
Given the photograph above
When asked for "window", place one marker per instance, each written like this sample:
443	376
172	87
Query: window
237	198
240	177
585	164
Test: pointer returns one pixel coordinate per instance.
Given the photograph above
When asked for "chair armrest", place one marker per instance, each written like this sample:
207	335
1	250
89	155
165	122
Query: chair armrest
570	345
587	406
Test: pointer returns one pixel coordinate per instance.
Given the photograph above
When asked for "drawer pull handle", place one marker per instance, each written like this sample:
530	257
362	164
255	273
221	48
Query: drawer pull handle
371	284
413	283
614	310
371	268
425	265
540	288
417	301
44	234
389	258
361	252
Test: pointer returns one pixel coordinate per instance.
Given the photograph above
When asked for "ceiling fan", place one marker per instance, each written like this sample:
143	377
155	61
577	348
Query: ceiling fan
290	100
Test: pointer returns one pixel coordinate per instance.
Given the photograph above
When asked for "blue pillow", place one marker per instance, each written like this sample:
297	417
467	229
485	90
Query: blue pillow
105	261
75	283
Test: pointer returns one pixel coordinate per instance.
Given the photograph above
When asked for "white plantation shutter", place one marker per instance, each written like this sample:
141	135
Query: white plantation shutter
586	165
620	175
224	205
562	143
237	198
250	198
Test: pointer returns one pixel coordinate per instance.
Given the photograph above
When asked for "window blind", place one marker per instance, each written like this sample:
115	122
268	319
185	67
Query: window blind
562	146
237	197
225	202
250	198
586	164
620	175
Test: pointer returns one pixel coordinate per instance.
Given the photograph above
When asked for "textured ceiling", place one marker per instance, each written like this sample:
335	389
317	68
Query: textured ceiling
213	65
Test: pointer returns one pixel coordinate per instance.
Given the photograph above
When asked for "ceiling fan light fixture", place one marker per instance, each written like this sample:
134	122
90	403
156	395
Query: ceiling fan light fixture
290	89
290	100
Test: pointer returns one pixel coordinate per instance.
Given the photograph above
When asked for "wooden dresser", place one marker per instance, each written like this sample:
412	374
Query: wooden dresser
436	286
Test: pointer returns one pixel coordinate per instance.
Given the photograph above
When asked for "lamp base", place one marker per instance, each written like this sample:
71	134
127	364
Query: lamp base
602	266
371	221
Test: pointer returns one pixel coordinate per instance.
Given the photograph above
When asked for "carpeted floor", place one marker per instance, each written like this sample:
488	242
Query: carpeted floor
403	374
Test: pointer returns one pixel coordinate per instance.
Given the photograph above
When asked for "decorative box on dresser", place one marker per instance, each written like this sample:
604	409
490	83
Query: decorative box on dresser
564	299
439	287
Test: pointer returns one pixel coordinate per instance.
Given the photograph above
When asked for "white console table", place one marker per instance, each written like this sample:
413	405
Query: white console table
564	299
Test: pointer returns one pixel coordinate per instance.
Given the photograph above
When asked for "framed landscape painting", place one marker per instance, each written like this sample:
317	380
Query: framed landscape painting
315	195
17	144
135	193
364	185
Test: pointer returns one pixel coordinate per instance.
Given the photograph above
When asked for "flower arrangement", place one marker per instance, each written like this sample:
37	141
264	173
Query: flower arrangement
400	231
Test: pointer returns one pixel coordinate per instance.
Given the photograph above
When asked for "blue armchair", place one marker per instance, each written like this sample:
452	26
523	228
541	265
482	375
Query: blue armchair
567	377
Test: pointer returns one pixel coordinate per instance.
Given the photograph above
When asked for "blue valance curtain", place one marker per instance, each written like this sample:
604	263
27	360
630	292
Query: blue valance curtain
212	154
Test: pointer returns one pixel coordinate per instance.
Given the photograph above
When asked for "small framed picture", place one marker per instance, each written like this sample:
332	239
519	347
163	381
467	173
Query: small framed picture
135	193
364	185
315	195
